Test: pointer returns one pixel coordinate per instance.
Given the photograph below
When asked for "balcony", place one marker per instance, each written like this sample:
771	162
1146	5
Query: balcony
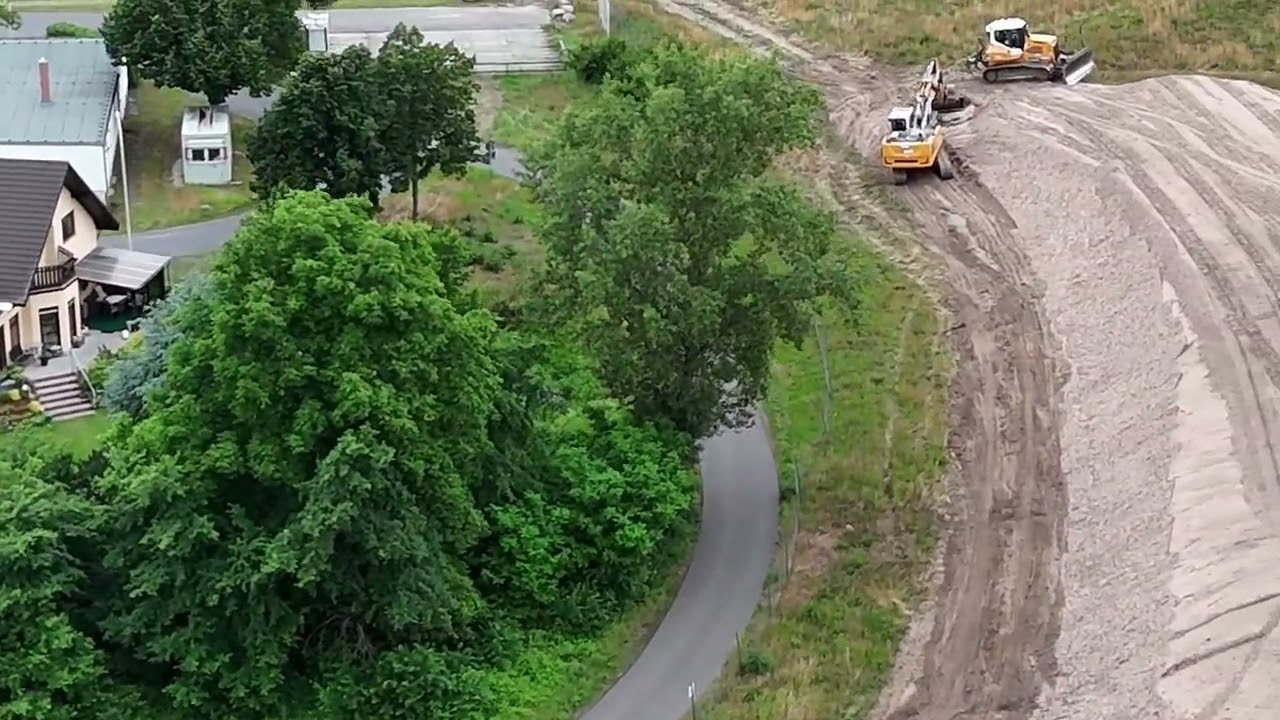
53	277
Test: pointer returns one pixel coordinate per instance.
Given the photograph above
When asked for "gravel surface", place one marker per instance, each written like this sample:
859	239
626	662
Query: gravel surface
1157	247
1104	303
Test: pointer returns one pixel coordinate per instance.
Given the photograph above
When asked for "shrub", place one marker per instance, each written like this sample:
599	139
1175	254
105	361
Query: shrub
610	57
70	30
100	367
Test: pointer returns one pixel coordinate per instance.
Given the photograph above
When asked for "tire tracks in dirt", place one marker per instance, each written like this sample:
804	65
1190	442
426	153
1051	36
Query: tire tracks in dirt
992	629
1185	158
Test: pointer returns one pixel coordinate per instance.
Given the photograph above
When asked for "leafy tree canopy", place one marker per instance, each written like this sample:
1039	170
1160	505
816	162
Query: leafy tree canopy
671	249
324	130
301	483
430	120
350	494
344	123
49	668
211	47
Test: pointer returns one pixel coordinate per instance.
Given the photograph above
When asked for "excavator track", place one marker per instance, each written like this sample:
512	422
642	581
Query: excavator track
1017	73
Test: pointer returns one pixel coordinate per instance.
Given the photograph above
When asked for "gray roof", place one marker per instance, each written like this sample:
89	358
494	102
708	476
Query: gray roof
121	268
29	191
83	83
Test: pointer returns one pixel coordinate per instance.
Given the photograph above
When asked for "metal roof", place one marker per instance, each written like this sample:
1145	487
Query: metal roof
1006	23
83	83
121	268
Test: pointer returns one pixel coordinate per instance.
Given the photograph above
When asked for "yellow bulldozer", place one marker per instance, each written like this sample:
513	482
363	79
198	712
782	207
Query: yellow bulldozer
916	141
1009	51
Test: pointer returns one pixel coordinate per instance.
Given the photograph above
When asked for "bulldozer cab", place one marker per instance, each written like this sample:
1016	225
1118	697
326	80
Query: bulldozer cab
1009	33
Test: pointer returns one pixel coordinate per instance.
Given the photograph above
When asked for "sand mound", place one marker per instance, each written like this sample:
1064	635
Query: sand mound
1129	199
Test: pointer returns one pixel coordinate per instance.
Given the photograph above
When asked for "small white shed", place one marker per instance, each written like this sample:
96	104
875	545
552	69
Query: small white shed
206	146
317	26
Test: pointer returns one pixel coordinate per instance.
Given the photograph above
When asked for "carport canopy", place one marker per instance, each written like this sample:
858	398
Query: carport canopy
120	268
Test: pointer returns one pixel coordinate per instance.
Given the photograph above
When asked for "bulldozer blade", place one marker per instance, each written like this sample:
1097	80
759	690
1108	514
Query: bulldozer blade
1078	67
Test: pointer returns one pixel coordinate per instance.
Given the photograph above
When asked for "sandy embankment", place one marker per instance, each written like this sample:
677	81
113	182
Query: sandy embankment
1171	577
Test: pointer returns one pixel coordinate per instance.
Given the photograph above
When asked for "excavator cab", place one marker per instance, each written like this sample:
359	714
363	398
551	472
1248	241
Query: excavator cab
1010	51
915	141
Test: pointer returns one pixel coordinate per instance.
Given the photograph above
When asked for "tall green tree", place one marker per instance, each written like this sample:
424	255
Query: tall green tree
50	669
431	121
324	130
297	497
9	16
671	249
211	47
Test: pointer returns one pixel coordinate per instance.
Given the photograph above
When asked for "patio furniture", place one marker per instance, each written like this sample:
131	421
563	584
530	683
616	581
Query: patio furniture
114	303
49	352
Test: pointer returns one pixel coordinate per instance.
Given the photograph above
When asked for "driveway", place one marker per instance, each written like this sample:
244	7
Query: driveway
502	39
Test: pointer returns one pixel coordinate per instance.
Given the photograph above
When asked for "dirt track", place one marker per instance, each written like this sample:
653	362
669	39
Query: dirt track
1111	257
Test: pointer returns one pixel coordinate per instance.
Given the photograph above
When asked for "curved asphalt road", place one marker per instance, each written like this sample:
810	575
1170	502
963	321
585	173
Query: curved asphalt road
739	524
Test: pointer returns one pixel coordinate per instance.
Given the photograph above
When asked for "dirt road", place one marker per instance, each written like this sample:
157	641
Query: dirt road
1110	258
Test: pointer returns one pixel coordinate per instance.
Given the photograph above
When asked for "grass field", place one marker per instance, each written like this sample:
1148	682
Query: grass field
531	105
153	144
1126	35
81	435
498	214
825	642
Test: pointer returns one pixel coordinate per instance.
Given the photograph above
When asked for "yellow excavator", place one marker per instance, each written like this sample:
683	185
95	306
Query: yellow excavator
915	141
1009	51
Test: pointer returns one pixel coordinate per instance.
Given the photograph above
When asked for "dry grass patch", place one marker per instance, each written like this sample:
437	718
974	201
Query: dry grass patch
153	143
869	458
1134	35
495	212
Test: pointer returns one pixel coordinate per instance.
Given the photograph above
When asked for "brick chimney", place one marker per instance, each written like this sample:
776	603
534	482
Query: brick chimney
46	86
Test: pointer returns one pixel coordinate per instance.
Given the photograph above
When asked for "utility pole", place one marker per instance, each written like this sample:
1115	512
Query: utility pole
118	112
124	181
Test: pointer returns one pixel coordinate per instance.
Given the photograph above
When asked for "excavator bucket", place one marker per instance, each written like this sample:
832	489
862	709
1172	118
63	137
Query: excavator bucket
1077	66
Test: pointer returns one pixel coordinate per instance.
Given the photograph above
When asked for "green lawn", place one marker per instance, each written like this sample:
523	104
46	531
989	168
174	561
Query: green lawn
531	105
81	435
153	146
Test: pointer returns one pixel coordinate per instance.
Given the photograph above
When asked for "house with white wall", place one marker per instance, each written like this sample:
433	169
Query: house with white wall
53	273
63	100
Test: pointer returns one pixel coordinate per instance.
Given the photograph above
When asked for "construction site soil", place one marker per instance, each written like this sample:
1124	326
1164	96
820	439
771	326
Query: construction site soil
1110	256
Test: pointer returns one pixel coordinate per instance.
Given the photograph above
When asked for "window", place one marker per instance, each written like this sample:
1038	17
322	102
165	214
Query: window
73	314
68	226
214	154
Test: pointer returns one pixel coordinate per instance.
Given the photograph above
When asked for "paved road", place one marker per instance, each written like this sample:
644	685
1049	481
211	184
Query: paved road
203	238
500	38
721	589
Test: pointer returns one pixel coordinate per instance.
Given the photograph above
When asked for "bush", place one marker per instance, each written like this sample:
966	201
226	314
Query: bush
70	30
610	57
100	367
